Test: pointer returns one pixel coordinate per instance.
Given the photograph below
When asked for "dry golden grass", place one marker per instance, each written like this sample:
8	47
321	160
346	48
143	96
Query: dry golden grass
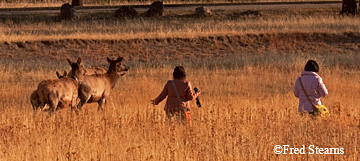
177	24
248	108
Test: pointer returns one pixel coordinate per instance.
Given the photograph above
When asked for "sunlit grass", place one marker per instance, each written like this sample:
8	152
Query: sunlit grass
248	108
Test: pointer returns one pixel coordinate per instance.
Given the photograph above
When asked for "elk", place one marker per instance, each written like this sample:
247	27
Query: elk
57	93
97	87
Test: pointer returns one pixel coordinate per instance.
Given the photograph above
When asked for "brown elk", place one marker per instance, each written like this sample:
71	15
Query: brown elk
58	93
97	87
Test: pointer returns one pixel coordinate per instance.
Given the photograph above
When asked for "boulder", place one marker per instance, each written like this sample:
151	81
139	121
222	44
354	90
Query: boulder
156	9
68	12
126	11
203	11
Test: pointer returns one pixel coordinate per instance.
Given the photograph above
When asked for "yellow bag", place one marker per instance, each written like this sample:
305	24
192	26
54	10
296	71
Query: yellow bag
318	110
321	110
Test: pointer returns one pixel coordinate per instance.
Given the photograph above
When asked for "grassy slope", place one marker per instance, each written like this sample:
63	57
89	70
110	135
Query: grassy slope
176	24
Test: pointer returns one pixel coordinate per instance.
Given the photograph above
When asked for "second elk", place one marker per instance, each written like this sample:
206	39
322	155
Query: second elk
57	93
97	87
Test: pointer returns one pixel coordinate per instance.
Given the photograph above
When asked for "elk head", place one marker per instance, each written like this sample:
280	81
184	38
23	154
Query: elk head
117	66
76	68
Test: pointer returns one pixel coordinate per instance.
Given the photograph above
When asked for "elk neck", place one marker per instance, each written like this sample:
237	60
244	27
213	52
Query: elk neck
77	76
113	77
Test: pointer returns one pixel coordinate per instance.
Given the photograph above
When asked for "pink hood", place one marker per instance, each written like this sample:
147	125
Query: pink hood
314	87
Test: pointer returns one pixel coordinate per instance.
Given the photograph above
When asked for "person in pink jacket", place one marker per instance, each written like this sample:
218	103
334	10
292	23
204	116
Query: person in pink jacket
172	106
313	85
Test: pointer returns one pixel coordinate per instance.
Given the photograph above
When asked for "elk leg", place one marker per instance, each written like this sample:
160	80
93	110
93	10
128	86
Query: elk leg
54	102
73	105
101	103
81	103
36	106
53	106
35	102
84	95
83	99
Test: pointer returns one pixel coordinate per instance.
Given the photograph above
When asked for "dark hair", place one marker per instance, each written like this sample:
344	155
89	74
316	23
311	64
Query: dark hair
312	65
179	73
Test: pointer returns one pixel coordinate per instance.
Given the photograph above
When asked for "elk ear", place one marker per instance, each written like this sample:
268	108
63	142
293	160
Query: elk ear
57	74
69	61
119	59
78	61
109	60
65	73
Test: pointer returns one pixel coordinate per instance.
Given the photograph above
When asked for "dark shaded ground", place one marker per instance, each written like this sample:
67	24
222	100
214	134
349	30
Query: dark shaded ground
146	50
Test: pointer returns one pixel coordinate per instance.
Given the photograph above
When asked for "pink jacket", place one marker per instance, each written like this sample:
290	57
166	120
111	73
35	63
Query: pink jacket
314	87
172	103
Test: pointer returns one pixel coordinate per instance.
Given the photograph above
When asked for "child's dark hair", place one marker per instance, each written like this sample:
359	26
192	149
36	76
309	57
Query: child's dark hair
312	65
179	73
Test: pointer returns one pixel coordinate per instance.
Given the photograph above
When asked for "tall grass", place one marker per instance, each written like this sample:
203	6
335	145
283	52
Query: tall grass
248	108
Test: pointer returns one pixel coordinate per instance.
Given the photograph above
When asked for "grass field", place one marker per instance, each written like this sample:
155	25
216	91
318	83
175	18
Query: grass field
248	108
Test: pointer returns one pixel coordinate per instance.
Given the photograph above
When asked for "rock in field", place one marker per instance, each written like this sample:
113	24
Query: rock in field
68	12
156	9
203	11
126	11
